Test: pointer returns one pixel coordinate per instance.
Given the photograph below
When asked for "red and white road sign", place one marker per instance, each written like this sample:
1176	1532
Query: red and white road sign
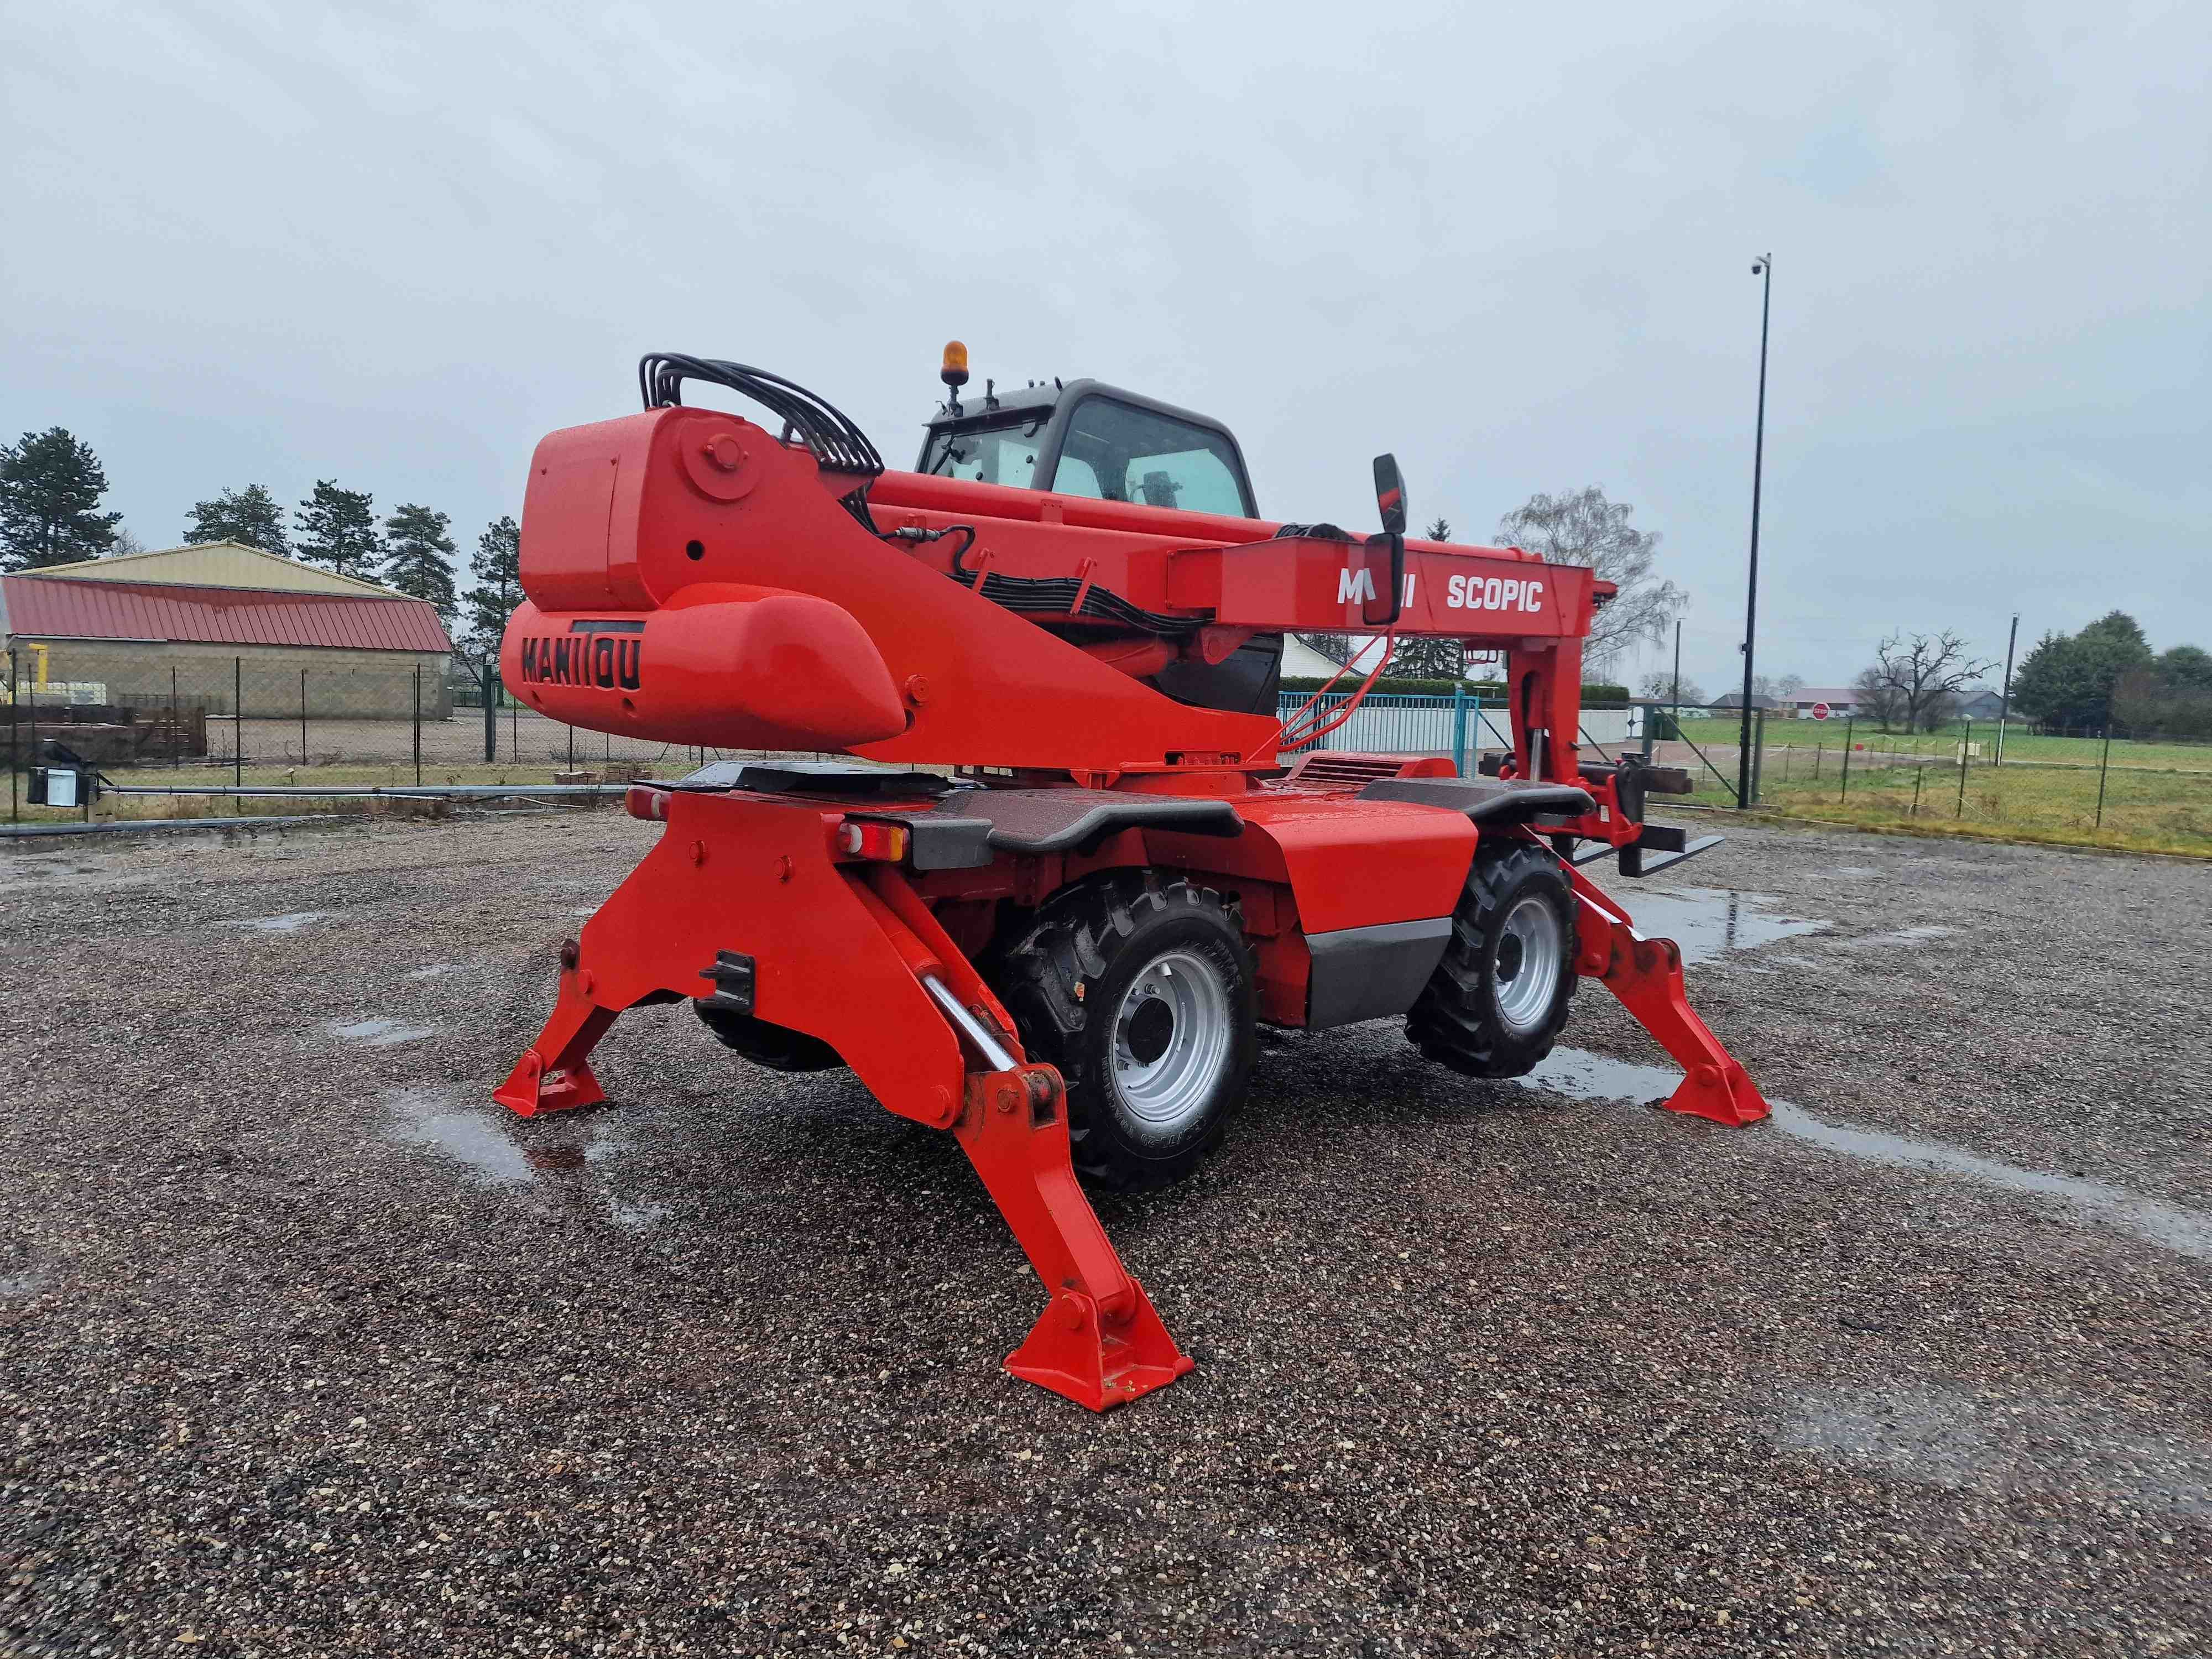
1820	711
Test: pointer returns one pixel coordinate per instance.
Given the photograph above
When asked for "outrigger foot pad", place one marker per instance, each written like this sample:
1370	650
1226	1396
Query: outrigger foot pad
1723	1093
1099	1361
531	1089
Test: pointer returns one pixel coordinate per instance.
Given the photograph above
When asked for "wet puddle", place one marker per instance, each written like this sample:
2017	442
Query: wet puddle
1581	1075
1709	922
286	924
2184	1230
467	1135
377	1033
498	1149
2001	1443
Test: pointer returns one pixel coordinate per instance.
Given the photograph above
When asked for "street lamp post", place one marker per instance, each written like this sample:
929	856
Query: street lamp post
1763	267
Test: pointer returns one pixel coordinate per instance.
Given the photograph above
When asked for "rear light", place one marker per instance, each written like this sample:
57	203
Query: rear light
643	801
884	841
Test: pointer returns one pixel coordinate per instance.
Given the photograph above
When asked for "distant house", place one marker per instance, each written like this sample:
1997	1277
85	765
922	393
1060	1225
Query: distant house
1980	703
1842	700
1734	700
220	626
1303	659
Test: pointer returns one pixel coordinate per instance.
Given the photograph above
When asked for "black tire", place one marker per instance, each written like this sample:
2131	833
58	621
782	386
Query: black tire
776	1046
1147	1096
1470	1016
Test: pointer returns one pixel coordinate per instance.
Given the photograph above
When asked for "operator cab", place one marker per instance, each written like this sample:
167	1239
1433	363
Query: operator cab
1090	439
1086	438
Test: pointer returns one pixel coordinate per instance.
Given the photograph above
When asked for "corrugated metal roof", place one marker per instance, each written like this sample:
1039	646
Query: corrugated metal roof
54	608
216	564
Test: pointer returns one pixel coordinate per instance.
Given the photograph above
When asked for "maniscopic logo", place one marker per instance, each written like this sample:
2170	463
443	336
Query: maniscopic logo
607	654
1494	593
1356	583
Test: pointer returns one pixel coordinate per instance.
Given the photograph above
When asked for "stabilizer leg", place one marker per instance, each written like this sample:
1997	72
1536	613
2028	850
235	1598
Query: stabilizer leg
1099	1342
1646	975
554	1074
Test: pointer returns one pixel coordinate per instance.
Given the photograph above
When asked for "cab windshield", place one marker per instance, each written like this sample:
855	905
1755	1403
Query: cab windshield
1116	452
1003	454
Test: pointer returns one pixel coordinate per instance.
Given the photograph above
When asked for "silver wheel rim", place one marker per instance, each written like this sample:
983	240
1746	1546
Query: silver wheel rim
1171	1037
1531	947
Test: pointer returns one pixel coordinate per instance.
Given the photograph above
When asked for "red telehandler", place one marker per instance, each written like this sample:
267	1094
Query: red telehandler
1079	870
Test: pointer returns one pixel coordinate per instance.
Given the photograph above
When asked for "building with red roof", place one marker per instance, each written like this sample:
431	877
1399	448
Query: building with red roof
222	624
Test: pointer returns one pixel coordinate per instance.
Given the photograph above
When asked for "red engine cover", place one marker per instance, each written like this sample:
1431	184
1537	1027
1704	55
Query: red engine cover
723	665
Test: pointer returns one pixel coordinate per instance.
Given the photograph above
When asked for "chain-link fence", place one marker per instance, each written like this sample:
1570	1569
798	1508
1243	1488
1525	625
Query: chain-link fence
246	723
2146	792
240	724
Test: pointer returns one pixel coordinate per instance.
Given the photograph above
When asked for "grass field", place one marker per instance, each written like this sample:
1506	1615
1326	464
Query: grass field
1806	736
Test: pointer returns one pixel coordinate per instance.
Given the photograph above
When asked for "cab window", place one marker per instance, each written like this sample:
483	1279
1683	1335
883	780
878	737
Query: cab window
998	455
1116	452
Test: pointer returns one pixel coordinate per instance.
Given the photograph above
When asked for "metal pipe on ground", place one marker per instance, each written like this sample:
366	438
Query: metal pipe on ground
370	791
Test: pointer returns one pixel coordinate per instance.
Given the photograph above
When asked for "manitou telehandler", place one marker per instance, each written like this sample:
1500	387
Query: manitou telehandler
1079	869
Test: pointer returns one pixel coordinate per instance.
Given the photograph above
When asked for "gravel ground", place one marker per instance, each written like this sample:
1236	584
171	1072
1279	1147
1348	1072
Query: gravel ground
307	1349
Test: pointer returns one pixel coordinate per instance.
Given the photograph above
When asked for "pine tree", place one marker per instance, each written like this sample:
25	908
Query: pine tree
496	570
50	489
337	527
1427	658
418	557
250	515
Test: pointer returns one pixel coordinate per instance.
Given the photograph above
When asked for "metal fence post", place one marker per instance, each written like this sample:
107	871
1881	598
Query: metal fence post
237	721
572	749
303	717
1850	726
15	798
2103	767
176	726
1919	774
1459	728
491	712
418	724
1966	744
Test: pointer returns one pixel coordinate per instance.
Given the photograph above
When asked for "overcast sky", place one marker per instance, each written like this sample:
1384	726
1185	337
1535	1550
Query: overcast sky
395	245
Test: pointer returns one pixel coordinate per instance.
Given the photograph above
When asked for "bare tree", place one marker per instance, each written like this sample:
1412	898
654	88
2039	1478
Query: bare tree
1922	675
1658	685
1584	528
1875	699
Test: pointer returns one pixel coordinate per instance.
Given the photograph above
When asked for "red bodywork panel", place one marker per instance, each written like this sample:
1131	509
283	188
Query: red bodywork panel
691	580
612	511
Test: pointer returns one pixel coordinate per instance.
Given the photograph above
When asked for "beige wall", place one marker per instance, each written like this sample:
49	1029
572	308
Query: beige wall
359	685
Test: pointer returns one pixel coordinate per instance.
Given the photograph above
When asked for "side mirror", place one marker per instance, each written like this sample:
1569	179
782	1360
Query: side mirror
1382	594
1390	495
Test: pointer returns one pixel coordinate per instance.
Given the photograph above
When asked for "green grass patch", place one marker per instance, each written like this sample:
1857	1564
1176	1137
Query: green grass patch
2142	809
1803	738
